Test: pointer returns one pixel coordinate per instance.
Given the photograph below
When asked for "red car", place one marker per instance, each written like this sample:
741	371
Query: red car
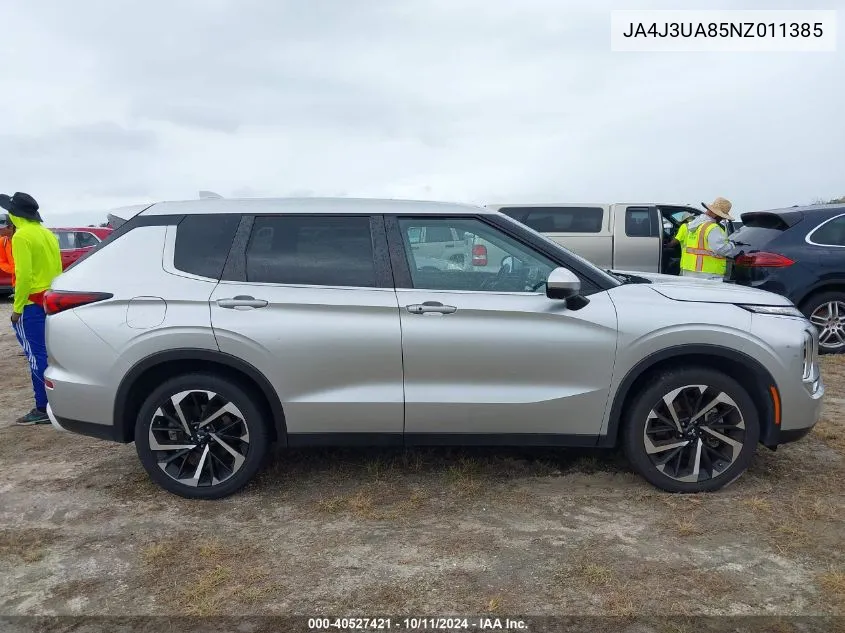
73	244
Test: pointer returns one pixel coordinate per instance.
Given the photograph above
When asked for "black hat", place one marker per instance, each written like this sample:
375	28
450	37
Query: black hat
21	205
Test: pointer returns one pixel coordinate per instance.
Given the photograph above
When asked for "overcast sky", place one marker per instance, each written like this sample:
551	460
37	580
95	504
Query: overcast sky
109	103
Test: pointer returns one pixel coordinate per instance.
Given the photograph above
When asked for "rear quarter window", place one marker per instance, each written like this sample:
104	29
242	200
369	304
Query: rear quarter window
558	219
203	242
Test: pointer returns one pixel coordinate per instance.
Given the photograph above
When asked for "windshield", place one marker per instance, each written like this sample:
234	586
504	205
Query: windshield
613	280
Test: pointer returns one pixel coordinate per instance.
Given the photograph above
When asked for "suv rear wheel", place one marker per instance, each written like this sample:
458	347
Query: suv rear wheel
827	312
201	436
691	430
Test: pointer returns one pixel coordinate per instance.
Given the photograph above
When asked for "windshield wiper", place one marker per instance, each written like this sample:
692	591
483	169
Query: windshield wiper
628	279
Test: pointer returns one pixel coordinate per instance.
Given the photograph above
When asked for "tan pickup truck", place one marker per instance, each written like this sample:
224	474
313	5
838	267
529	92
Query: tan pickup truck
617	236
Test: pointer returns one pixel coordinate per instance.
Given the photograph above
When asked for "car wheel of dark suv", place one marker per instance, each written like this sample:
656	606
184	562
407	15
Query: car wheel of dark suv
691	430
201	436
827	312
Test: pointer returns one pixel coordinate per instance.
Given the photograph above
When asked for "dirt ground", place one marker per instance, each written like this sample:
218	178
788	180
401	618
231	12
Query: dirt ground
83	531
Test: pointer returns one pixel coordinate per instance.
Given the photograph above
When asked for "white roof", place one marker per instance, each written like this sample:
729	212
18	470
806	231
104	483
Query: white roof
259	206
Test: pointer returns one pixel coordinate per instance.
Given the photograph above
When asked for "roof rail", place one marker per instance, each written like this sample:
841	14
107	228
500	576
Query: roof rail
209	194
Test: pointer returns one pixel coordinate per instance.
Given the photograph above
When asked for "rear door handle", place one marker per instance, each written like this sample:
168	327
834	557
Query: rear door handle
242	302
430	307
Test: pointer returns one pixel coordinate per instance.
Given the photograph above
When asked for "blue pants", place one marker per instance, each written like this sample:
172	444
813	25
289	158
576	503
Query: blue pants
30	332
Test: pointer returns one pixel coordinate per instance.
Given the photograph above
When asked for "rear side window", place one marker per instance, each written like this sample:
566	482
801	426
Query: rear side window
203	242
311	250
831	233
641	222
558	219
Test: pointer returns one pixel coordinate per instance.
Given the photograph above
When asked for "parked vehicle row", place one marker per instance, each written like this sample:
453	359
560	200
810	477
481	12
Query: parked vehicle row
73	243
322	321
798	252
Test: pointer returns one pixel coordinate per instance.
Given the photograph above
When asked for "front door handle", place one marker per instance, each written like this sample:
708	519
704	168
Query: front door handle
242	302
430	307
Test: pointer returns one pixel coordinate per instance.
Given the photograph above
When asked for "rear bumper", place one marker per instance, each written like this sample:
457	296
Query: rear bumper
100	431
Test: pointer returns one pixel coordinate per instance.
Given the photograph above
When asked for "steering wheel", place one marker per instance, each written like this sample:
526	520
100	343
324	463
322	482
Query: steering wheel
493	283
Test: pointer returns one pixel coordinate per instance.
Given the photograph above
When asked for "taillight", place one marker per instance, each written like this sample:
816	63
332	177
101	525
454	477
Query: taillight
479	255
763	260
56	301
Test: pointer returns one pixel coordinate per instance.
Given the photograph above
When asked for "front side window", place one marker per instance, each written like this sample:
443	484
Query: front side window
312	250
490	261
831	233
558	219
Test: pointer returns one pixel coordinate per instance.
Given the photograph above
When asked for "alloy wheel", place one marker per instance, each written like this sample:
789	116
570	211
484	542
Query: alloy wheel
694	433
829	318
199	438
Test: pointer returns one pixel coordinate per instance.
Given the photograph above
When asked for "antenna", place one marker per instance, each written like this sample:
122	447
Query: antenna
209	194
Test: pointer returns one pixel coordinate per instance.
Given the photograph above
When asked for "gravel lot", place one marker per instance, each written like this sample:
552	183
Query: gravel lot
82	531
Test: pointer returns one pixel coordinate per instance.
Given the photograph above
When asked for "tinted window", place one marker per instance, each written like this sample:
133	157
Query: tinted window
436	233
203	243
311	250
84	239
492	261
638	222
831	234
558	219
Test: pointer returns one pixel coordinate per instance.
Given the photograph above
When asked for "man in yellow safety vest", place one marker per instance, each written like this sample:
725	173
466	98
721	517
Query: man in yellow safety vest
704	242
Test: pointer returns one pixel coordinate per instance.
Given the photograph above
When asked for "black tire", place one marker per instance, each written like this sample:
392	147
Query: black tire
651	397
809	306
251	418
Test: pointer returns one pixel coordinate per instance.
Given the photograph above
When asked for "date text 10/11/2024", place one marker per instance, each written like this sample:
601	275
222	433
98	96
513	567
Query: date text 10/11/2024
416	624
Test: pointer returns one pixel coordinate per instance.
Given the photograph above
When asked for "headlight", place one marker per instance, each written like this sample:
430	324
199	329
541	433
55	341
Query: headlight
790	311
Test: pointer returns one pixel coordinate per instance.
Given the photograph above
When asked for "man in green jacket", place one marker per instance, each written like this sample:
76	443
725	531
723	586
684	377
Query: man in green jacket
35	251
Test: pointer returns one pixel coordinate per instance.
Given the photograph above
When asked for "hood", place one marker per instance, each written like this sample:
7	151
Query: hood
661	278
707	291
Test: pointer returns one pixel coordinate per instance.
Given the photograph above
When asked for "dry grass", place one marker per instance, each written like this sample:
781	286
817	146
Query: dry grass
831	434
684	526
202	576
594	575
375	502
832	583
29	545
465	477
758	505
620	605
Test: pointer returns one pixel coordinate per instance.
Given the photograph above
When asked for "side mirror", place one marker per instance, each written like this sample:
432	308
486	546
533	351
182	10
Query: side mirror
562	284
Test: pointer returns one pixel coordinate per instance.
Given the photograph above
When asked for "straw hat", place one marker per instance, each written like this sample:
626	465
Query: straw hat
721	207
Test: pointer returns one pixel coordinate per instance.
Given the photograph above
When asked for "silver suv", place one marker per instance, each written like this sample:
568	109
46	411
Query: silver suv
205	331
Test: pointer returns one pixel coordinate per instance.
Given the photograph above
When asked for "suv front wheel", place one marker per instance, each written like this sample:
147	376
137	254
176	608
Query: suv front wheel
201	436
827	312
691	430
